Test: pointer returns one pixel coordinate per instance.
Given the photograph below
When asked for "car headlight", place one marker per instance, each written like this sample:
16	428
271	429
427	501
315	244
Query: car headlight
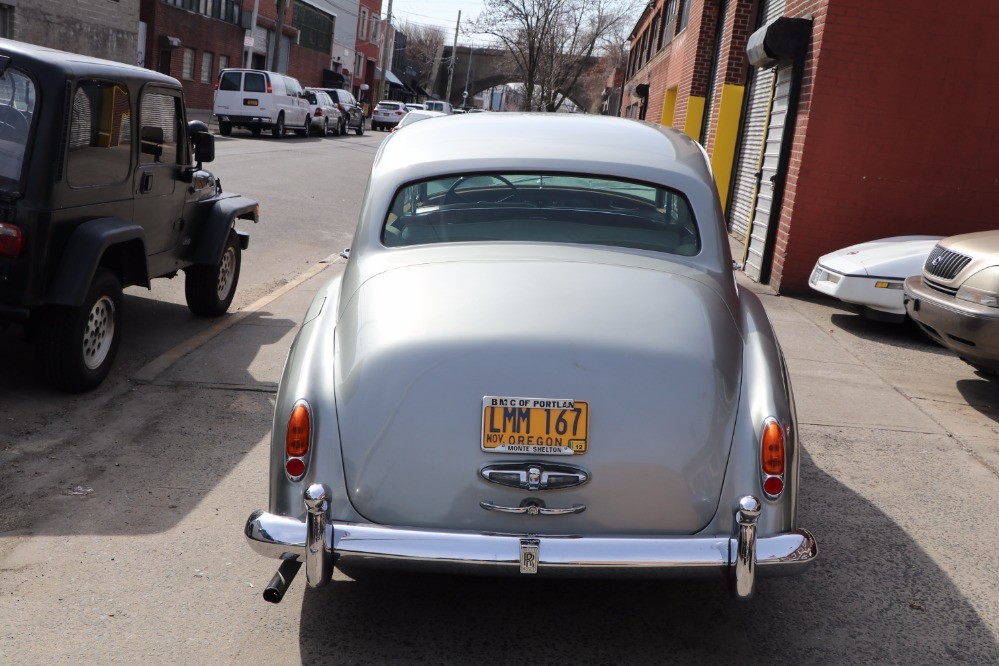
982	288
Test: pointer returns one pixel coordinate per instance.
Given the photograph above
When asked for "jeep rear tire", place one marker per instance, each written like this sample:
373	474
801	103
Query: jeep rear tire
210	289
77	345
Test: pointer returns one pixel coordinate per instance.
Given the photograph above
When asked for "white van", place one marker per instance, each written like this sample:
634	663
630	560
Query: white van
257	100
440	107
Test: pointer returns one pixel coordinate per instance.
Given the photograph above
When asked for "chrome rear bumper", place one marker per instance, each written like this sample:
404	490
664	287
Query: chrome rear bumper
361	545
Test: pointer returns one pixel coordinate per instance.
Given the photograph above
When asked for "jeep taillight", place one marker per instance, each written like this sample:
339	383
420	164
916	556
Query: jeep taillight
772	458
298	441
11	240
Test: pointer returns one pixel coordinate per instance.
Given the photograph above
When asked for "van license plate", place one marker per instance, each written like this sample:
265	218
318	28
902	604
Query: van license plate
534	426
251	102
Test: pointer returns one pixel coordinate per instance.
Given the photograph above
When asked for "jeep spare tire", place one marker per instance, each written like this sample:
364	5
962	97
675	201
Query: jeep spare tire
77	345
210	289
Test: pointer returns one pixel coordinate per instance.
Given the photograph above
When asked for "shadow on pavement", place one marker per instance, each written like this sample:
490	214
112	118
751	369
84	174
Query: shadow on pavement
982	394
906	335
873	596
129	458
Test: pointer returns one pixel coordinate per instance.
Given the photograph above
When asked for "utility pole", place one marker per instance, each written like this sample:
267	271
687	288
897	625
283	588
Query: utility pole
378	93
248	50
454	54
275	58
468	72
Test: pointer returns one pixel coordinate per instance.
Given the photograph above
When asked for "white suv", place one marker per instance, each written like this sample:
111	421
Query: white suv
387	115
257	100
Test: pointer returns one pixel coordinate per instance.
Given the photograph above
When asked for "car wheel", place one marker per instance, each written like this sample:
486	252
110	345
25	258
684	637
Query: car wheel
360	128
210	289
278	129
255	131
225	129
326	127
77	345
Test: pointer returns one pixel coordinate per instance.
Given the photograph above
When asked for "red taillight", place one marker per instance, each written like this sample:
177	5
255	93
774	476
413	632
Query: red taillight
11	240
339	106
772	457
269	89
298	440
319	112
398	113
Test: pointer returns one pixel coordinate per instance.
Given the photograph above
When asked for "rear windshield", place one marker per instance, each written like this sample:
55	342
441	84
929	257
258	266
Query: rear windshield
384	106
545	208
17	111
254	83
230	81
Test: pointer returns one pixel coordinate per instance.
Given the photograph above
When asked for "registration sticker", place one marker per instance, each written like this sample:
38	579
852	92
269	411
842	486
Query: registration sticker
534	426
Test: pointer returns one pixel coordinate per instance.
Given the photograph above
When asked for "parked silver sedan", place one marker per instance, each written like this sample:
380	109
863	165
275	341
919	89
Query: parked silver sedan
537	362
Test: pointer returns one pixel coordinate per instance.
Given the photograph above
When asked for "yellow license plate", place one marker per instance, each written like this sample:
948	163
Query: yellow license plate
534	426
251	102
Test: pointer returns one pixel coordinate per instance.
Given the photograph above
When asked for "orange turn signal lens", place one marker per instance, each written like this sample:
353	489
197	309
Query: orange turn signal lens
772	448
296	443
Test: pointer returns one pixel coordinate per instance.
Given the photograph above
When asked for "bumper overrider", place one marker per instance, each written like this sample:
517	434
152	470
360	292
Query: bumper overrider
320	544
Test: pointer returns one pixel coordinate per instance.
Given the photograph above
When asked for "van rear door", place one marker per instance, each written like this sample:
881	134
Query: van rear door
228	95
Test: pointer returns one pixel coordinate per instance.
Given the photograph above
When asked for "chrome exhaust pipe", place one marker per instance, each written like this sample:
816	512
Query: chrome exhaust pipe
274	592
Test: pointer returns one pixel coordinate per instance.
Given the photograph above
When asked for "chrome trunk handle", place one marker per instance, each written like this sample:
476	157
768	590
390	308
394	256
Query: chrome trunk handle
533	507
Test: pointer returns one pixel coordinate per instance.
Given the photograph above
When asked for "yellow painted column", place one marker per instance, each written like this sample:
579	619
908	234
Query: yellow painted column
726	136
695	116
669	108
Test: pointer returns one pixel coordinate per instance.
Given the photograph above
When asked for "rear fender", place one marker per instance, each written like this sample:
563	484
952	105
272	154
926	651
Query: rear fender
766	391
309	375
210	243
106	241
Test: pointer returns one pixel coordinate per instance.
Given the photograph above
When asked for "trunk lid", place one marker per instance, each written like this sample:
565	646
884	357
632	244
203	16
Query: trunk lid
656	356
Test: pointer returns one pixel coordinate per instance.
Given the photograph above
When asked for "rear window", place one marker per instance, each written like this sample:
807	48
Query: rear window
230	81
18	102
385	106
542	208
254	82
100	135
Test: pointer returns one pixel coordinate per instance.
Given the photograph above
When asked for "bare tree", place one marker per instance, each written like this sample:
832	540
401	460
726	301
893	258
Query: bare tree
423	43
551	42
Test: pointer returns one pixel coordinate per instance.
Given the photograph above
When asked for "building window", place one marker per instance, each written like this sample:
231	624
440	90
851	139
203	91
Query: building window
225	10
188	72
206	67
363	26
681	24
315	28
358	65
375	29
100	135
669	23
223	62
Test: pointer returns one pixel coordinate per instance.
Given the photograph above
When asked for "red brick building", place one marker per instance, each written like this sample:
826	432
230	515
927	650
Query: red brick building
860	120
192	40
369	32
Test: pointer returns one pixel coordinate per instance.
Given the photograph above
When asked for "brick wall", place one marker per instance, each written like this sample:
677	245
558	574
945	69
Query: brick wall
205	35
895	133
100	28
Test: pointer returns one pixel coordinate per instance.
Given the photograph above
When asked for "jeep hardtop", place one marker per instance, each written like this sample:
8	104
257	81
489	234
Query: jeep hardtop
102	187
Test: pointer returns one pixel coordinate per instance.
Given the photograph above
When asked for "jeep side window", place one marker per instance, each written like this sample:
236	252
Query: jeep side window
254	82
159	132
100	135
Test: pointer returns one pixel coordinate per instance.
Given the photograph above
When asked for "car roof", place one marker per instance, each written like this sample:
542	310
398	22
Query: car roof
546	141
75	65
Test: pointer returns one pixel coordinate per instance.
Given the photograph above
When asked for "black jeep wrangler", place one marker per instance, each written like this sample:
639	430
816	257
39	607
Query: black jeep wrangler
101	187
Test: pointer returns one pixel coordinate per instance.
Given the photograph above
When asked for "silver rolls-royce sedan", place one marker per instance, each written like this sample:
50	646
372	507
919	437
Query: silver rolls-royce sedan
537	362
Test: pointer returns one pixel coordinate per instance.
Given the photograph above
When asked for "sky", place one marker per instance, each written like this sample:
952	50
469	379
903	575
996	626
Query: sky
443	13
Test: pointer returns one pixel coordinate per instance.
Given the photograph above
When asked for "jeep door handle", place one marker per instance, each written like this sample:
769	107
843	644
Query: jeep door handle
146	183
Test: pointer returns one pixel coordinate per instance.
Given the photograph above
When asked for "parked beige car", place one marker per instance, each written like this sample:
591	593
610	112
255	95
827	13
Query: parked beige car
956	299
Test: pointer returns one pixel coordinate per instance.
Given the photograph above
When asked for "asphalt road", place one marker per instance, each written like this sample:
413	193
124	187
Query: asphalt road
120	535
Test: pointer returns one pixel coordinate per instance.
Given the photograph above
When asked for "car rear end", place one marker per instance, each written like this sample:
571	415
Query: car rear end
19	242
387	115
244	98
